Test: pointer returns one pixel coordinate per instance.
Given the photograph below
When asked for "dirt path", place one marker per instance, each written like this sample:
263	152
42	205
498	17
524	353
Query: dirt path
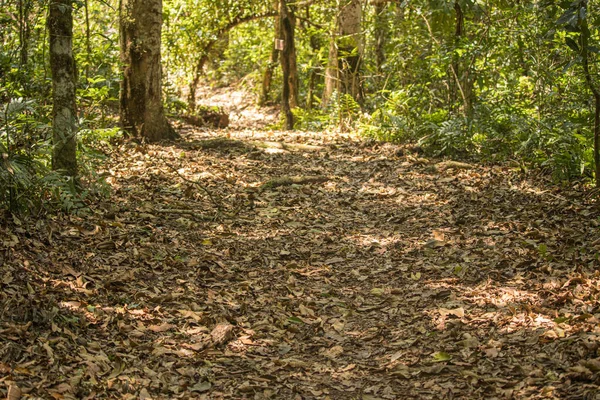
391	277
240	105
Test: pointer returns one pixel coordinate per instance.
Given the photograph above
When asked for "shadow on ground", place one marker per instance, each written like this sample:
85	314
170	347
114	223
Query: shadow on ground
393	279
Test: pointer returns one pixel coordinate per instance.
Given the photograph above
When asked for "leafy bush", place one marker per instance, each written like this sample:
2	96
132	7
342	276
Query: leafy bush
27	184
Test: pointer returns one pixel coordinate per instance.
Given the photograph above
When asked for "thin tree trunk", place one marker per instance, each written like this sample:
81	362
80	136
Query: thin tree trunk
268	77
142	111
597	137
595	91
196	81
310	89
62	65
291	53
268	74
331	73
313	75
381	37
88	42
458	34
24	31
288	47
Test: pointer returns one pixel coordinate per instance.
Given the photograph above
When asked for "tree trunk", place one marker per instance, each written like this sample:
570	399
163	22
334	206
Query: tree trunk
313	75
24	7
350	50
293	80
62	65
455	83
142	111
288	48
88	41
381	37
585	63
198	71
268	74
345	54
331	73
315	68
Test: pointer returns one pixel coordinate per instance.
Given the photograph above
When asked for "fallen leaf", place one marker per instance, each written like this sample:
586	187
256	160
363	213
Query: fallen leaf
161	328
441	356
333	352
201	387
14	392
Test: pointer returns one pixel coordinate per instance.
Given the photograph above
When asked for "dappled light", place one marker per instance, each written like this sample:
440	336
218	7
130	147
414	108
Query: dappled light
298	200
203	276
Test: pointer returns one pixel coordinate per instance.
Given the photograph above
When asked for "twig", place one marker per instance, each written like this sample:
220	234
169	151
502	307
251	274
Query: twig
217	202
293	180
215	199
193	213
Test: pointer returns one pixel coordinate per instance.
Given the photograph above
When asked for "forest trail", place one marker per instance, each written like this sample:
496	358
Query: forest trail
388	276
240	104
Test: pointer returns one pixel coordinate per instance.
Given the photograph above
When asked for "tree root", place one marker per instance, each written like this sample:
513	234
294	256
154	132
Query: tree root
293	180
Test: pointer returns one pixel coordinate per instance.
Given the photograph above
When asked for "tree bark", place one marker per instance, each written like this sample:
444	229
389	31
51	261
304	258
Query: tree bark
142	111
24	7
293	80
381	37
585	62
350	49
331	73
288	48
62	65
315	69
345	54
268	74
88	40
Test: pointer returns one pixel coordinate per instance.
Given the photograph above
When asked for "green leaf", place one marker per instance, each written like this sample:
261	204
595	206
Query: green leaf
441	356
295	320
593	49
572	44
568	18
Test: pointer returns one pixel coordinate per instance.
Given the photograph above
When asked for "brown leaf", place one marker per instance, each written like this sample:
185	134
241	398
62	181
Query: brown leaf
161	328
14	392
222	334
144	395
333	352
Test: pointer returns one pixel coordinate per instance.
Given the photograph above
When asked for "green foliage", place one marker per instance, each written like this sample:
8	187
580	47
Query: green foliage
27	184
496	92
313	120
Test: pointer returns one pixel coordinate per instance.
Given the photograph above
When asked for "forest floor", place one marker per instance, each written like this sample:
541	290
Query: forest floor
247	264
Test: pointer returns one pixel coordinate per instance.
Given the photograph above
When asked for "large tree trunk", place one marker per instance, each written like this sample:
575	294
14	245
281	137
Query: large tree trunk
142	111
345	54
350	49
62	65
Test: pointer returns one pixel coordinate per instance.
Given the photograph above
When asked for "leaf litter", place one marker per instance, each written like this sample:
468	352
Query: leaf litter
331	268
